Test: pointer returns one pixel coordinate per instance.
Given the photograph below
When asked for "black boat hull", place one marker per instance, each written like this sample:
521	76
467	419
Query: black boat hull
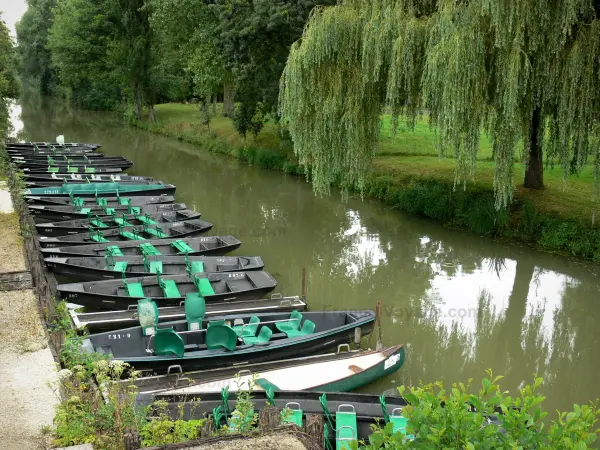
63	228
44	169
171	266
57	214
54	183
318	342
206	245
181	229
49	180
36	200
111	294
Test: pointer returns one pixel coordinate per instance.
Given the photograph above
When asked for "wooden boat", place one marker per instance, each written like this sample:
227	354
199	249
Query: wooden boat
95	322
69	169
53	179
340	373
175	382
114	267
54	183
41	145
77	226
205	245
82	202
104	190
168	290
91	153
65	157
60	213
43	163
181	229
197	345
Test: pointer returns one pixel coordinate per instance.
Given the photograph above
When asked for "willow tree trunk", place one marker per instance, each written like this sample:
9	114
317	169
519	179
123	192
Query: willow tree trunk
534	172
137	108
228	95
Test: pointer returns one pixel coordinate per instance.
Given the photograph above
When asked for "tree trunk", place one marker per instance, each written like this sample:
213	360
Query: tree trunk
214	104
136	100
534	172
228	95
151	113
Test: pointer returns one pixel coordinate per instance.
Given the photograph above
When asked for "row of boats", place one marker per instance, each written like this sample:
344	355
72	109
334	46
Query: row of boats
162	296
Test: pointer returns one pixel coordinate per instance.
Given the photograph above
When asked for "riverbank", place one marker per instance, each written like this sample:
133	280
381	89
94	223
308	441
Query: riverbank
408	175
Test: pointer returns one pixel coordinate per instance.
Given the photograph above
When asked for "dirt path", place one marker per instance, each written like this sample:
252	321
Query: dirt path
27	367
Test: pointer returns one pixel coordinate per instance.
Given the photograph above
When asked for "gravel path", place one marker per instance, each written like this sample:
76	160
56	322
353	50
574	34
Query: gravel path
26	367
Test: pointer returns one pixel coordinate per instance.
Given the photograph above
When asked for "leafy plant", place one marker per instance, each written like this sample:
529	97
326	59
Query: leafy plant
161	429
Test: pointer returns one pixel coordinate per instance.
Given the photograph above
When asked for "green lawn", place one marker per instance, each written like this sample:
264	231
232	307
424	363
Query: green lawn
409	155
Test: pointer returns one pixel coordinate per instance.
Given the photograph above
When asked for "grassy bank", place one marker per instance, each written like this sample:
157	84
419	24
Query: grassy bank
409	175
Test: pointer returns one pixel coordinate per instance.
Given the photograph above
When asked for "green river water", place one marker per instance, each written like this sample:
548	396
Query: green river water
461	303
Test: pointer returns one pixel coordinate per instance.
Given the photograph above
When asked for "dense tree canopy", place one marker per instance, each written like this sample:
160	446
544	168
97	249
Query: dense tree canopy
9	85
523	70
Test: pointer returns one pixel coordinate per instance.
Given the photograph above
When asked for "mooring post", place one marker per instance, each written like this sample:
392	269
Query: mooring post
378	322
132	440
303	291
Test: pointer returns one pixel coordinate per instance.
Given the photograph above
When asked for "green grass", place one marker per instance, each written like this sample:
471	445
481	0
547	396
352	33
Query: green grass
406	157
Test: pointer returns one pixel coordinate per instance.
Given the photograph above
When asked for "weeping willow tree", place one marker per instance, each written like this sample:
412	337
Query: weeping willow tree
525	71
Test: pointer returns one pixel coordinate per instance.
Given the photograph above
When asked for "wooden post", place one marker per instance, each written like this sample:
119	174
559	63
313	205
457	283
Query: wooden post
303	291
132	441
269	418
315	428
208	428
380	336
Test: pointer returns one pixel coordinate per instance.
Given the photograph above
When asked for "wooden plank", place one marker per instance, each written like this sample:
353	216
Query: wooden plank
13	281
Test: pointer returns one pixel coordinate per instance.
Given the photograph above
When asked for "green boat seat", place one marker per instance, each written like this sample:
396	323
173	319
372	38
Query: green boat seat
146	219
134	289
292	324
101	201
263	337
266	385
85	210
220	336
148	316
89	169
124	201
169	287
113	250
195	310
182	246
308	327
204	287
98	223
149	249
109	211
292	413
152	266
248	330
156	231
120	266
134	209
96	236
53	169
122	221
197	267
72	169
133	235
346	432
168	342
216	322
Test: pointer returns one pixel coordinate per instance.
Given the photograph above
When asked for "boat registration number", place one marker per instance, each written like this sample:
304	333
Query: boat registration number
391	361
119	336
236	275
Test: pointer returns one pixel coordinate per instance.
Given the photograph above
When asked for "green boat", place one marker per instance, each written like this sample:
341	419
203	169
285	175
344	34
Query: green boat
103	190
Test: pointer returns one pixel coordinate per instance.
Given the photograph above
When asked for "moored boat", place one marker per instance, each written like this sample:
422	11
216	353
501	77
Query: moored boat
41	145
82	202
59	213
95	322
205	245
181	229
103	190
338	373
114	267
51	183
90	153
168	290
69	169
76	226
198	343
97	163
82	178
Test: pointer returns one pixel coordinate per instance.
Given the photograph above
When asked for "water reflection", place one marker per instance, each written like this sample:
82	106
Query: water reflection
462	303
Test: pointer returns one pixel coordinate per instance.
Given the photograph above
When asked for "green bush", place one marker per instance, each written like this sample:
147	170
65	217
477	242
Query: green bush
457	418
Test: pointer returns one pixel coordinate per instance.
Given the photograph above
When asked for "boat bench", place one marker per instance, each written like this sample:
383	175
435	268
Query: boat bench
169	288
130	235
146	220
154	232
182	246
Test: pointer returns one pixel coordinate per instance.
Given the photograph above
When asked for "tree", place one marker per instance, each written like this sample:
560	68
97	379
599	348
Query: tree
9	84
81	41
32	36
524	70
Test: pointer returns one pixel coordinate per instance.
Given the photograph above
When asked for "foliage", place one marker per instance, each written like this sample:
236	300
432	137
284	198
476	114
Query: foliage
458	418
86	416
32	36
512	68
81	42
162	430
9	85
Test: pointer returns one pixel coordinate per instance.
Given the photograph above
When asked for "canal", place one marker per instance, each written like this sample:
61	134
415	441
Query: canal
461	303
